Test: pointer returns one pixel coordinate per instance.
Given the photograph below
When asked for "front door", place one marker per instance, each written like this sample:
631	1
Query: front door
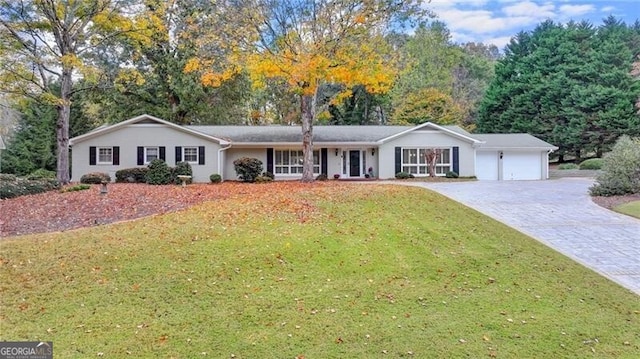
354	163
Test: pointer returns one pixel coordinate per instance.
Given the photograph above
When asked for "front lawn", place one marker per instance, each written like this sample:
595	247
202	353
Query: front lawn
319	271
631	208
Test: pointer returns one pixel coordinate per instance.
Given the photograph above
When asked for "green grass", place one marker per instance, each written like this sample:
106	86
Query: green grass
360	271
632	209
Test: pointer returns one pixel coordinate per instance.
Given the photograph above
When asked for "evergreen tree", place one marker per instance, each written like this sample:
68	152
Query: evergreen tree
570	85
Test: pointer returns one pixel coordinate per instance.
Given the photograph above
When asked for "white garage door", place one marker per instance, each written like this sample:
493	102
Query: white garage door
487	165
521	166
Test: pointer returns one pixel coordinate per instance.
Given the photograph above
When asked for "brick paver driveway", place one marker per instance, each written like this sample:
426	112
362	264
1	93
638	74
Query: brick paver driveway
560	214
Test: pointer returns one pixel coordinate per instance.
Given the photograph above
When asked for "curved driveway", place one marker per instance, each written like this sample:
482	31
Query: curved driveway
560	214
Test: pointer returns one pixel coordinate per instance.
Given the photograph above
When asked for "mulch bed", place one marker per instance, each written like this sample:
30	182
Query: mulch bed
55	211
613	201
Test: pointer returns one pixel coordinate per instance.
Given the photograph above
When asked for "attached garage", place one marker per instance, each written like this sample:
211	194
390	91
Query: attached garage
512	157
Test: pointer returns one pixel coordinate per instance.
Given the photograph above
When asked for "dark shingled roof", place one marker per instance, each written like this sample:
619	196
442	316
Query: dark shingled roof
291	134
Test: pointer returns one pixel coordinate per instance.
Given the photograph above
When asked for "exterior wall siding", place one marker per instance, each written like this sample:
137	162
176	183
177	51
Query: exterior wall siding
130	137
426	139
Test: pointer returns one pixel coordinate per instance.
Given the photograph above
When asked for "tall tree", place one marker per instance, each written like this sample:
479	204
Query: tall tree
44	42
568	84
306	44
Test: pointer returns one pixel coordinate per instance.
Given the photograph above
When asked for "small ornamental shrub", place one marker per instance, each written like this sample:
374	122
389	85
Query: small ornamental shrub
41	174
322	177
95	178
263	179
182	169
568	166
404	175
7	177
451	174
132	175
159	173
591	164
76	188
215	178
620	169
22	186
269	174
248	168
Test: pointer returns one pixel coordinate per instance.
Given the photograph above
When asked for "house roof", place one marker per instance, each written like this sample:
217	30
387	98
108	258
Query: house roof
336	135
512	141
293	134
142	119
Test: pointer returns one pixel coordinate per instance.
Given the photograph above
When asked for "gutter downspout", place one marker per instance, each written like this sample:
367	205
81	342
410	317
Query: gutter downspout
220	165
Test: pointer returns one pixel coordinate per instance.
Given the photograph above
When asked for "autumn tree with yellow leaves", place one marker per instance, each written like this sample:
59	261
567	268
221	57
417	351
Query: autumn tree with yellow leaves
43	42
306	44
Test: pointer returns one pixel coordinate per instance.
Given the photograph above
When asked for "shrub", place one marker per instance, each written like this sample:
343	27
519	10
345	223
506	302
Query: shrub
11	188
568	166
76	188
182	169
7	177
269	174
451	174
263	179
215	178
620	169
41	174
95	178
592	164
132	175
404	175
248	168
322	177
158	173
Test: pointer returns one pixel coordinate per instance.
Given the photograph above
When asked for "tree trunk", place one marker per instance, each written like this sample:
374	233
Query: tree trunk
307	107
62	127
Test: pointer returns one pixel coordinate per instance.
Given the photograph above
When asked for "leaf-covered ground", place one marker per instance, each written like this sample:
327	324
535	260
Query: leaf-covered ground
55	211
287	270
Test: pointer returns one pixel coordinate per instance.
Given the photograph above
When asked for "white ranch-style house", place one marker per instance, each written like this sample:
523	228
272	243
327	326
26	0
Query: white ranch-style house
348	151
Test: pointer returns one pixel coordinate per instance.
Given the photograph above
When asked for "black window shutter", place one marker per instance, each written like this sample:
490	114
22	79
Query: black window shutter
92	156
456	160
324	168
116	156
398	159
270	160
201	155
140	155
163	153
178	154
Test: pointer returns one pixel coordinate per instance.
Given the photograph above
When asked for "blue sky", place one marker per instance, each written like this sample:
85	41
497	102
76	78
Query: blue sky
496	21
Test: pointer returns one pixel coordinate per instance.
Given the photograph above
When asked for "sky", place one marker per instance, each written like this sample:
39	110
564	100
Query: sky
496	21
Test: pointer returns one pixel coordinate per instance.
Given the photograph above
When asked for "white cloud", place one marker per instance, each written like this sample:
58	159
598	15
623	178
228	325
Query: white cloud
608	9
576	10
528	8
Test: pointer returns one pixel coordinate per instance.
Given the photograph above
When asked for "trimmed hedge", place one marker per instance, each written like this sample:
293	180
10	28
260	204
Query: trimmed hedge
182	169
591	164
215	178
248	169
404	175
132	175
12	186
159	173
95	178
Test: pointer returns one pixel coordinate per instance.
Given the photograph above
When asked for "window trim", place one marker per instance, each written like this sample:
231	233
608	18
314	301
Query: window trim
145	154
197	154
278	154
442	167
100	148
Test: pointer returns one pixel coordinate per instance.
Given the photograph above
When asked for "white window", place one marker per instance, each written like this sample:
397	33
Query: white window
150	154
290	161
105	155
190	154
414	161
